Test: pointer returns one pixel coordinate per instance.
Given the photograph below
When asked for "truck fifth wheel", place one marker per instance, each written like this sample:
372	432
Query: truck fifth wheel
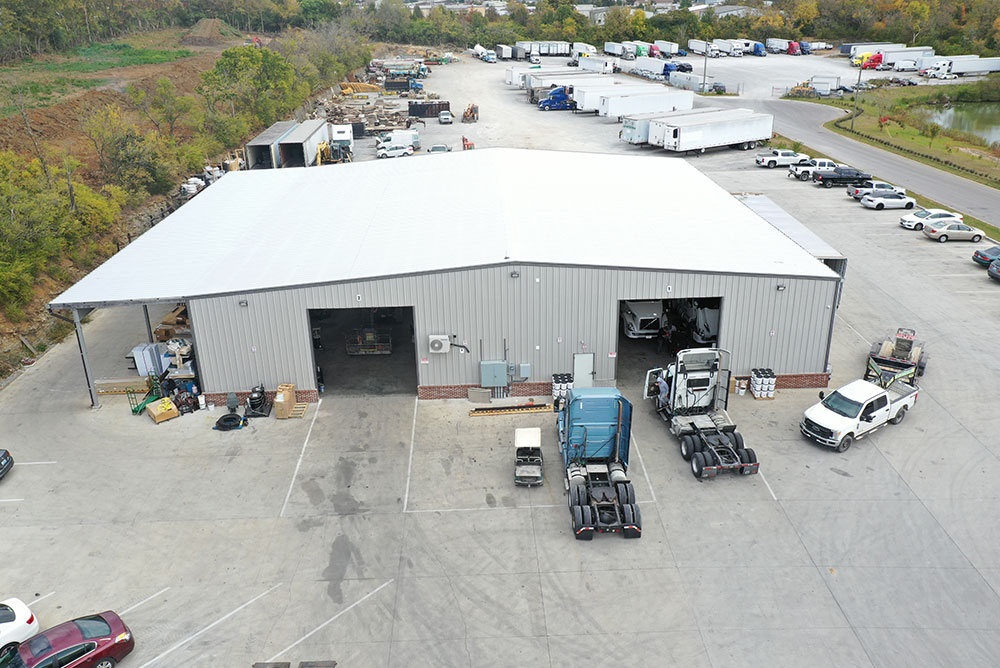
691	395
594	426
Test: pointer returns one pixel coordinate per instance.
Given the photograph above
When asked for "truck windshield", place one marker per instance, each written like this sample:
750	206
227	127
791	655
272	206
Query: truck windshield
841	405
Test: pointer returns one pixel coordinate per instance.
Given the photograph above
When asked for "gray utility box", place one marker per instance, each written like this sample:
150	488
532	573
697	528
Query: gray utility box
493	373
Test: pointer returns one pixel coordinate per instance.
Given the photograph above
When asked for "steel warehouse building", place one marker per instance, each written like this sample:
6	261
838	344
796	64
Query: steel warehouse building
495	267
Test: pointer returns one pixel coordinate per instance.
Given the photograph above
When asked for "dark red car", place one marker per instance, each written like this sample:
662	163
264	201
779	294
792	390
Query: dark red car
97	641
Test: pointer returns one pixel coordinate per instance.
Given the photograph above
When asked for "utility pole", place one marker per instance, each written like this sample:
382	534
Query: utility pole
704	70
856	93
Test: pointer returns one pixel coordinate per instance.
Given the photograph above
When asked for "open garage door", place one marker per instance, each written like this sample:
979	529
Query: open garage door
364	350
651	332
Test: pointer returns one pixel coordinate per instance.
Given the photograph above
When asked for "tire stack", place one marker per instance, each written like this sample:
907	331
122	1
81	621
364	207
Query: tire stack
762	383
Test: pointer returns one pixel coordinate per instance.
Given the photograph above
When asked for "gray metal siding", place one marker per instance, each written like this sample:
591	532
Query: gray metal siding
545	315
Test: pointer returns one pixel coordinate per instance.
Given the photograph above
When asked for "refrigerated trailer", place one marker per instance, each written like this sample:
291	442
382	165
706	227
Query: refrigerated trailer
666	99
536	78
588	99
598	64
972	66
707	131
666	48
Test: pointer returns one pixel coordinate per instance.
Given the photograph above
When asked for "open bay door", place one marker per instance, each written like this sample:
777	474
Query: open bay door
583	370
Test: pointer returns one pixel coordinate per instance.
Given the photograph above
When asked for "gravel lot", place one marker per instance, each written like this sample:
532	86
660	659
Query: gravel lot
336	537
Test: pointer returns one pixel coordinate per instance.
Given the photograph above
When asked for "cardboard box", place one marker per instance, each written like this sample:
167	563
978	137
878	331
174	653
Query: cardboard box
162	410
284	401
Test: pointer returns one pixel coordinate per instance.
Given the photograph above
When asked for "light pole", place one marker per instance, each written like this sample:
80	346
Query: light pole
704	70
856	93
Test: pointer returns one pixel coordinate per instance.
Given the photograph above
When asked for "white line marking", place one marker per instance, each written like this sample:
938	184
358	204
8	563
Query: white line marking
42	598
207	628
761	474
409	465
473	510
31	463
299	463
321	626
860	336
10	500
145	600
635	444
973	292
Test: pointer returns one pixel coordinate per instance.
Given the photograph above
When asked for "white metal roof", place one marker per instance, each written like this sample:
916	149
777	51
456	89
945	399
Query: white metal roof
264	229
791	227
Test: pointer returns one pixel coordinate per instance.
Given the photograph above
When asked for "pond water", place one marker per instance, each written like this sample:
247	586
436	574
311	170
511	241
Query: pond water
978	118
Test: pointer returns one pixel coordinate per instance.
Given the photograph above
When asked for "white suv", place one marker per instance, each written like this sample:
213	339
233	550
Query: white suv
394	151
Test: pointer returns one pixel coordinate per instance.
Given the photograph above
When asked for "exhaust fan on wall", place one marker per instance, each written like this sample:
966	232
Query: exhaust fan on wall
440	343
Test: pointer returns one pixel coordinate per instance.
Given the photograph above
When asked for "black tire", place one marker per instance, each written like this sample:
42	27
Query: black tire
744	146
845	443
918	227
578	495
736	438
7	648
804	176
626	493
771	164
879	206
744	457
576	517
628	517
875	348
587	514
698	465
909	205
106	662
634	517
976	239
899	416
687	447
828	184
752	455
753	145
943	238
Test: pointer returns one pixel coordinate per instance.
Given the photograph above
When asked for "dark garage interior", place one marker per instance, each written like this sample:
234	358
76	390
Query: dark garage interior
364	350
693	320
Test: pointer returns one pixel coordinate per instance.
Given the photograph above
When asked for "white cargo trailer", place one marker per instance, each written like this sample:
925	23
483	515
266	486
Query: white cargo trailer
654	65
598	64
504	52
728	47
704	132
891	56
589	99
872	47
703	48
262	151
666	48
635	127
775	45
666	99
660	127
299	147
582	50
534	78
972	66
614	49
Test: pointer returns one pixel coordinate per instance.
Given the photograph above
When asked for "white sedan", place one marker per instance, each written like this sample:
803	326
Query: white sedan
917	220
888	201
17	624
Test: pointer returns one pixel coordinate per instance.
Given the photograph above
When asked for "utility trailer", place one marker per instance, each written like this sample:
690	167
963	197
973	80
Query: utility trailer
700	133
897	353
528	457
691	395
594	426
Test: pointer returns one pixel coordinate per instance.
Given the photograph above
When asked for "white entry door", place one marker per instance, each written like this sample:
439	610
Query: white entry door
583	370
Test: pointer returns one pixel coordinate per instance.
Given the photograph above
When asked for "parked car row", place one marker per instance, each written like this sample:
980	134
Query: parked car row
94	641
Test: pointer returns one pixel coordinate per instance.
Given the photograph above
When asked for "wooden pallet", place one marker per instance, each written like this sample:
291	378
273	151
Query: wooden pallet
298	410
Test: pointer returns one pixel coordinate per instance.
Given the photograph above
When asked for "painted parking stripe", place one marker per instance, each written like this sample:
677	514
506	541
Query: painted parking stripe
11	500
145	600
327	622
42	598
32	463
302	454
218	621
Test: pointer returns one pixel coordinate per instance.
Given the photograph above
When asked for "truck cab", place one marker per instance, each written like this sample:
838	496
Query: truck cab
594	429
642	319
557	99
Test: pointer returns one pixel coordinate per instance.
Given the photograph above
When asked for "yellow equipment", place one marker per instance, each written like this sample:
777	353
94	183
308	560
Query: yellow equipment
471	114
331	155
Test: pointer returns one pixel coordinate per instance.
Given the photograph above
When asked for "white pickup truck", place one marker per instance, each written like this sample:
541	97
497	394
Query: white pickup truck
804	172
856	410
781	157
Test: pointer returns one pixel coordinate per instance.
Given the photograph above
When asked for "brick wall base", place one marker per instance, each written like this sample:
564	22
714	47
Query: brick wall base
791	381
462	391
301	397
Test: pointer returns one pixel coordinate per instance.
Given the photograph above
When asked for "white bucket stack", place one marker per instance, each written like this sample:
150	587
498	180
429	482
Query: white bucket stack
562	383
762	382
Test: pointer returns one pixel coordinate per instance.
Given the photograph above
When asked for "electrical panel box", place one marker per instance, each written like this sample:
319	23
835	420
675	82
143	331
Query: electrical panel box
493	373
523	370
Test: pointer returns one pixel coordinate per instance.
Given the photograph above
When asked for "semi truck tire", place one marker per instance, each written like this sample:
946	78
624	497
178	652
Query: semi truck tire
588	516
753	145
576	517
736	439
752	455
845	443
632	517
687	447
625	492
900	414
698	465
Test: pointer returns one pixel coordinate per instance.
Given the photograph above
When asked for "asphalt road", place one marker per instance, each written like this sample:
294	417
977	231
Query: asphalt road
803	121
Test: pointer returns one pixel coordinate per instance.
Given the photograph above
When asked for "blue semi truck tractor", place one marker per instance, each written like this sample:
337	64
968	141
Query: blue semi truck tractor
594	427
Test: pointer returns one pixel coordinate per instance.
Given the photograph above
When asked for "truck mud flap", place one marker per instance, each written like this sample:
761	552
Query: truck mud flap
750	469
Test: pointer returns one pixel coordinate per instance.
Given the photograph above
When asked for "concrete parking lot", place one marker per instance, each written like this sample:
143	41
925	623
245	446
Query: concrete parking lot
380	532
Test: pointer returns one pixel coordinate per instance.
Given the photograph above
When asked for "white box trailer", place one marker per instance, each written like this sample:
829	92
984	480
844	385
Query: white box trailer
559	48
709	131
616	106
534	78
614	49
667	48
654	65
831	80
659	127
299	147
582	49
728	47
972	66
262	151
775	44
589	98
513	76
890	56
872	47
504	52
701	47
635	127
598	64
